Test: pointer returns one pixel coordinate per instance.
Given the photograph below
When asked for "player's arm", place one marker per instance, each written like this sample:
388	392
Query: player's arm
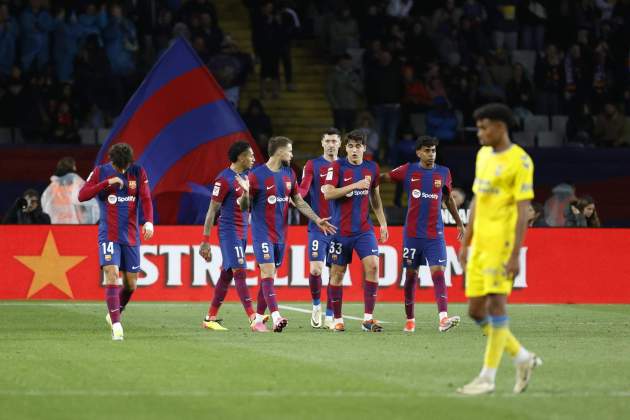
468	233
452	209
307	179
204	248
146	205
377	205
395	175
307	211
513	267
92	187
249	186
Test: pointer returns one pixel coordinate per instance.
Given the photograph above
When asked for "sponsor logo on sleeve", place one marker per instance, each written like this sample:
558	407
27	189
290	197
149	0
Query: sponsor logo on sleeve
216	189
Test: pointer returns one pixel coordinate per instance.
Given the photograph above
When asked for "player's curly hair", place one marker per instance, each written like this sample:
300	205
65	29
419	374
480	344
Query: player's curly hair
495	112
357	136
277	142
236	149
121	155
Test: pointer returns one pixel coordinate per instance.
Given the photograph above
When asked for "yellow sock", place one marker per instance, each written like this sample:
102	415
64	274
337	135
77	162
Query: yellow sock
495	346
512	346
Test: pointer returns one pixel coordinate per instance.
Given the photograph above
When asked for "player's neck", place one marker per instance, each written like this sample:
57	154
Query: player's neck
330	158
355	163
502	145
237	168
274	164
122	171
426	165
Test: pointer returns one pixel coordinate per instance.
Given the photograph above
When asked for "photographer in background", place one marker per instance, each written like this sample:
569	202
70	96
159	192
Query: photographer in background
27	211
582	213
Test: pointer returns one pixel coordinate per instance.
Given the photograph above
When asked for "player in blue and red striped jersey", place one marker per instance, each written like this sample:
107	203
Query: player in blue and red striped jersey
270	187
232	222
311	188
423	239
352	184
122	191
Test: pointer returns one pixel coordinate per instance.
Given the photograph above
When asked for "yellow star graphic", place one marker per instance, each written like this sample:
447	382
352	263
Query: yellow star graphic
50	267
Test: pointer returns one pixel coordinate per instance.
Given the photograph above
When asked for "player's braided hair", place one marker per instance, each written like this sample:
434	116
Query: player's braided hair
121	155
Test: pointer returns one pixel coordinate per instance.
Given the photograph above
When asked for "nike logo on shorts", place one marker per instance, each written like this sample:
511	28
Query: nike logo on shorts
441	260
135	267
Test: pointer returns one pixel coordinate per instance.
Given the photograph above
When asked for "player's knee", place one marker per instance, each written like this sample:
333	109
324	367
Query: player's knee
476	314
371	270
111	275
316	271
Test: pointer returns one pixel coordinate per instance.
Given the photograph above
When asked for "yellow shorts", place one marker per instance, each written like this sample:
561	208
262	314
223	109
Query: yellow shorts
485	273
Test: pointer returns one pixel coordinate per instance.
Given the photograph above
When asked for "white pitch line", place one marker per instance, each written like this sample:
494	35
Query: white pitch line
306	311
297	394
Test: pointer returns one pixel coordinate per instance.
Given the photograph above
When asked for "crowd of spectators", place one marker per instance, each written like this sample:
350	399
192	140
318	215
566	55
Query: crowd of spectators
428	64
66	65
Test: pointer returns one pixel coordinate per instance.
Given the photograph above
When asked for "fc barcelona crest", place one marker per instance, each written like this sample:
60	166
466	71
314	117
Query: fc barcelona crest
437	183
288	185
132	184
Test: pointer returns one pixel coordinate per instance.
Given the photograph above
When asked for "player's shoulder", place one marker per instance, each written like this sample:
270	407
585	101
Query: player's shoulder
370	164
257	171
225	174
520	157
484	151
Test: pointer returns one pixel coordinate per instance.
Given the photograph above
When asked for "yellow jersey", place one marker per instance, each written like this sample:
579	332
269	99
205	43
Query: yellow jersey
501	180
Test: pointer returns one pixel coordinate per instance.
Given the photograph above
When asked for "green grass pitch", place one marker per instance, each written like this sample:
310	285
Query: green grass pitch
58	362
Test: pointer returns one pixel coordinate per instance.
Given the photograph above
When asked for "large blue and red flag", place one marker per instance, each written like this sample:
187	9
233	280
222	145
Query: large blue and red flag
180	126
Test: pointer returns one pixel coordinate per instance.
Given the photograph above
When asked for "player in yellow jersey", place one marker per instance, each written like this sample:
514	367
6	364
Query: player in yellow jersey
503	190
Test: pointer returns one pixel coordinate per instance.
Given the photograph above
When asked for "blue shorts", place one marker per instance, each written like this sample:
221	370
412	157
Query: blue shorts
267	252
233	252
341	247
125	257
417	251
318	244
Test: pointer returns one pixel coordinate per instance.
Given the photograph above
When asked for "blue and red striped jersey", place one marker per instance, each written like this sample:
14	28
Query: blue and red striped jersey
424	189
124	209
311	188
351	214
270	192
232	221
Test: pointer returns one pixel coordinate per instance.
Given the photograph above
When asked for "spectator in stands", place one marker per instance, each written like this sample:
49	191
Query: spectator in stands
536	215
520	93
343	32
562	195
442	121
581	126
343	90
399	8
504	24
93	20
60	198
549	77
8	40
121	42
474	10
372	24
64	126
471	42
609	126
211	33
532	18
27	211
446	18
384	88
259	124
36	23
289	29
582	213
94	81
67	35
365	123
266	31
231	67
602	76
417	99
420	47
578	76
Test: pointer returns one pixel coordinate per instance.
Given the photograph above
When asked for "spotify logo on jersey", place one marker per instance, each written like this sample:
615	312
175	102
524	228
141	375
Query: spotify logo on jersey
271	199
111	199
415	193
350	194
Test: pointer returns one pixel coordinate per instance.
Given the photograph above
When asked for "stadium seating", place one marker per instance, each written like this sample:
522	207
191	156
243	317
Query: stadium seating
549	139
6	137
536	123
559	125
524	138
527	58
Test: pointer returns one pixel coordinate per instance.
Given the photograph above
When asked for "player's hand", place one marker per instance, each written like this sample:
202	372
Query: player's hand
244	183
461	231
364	184
325	226
116	180
147	230
384	234
463	256
513	267
204	251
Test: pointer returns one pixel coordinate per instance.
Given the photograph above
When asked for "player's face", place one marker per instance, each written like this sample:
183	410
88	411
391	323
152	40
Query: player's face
285	153
331	144
490	132
247	158
355	150
427	155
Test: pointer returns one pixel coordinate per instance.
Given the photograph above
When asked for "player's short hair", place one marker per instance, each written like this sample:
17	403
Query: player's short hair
331	131
121	155
236	149
277	142
31	193
426	141
356	136
495	112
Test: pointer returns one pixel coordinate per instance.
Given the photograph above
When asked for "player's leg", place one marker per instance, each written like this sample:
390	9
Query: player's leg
435	252
316	256
130	279
337	272
412	258
129	268
272	255
109	258
367	249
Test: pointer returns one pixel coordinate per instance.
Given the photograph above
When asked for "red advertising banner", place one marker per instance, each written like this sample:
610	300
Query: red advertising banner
61	262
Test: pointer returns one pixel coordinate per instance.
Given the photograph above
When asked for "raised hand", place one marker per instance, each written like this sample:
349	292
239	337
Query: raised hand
116	180
244	183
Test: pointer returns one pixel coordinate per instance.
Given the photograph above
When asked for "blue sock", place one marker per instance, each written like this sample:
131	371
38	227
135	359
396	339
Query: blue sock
316	302
329	312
